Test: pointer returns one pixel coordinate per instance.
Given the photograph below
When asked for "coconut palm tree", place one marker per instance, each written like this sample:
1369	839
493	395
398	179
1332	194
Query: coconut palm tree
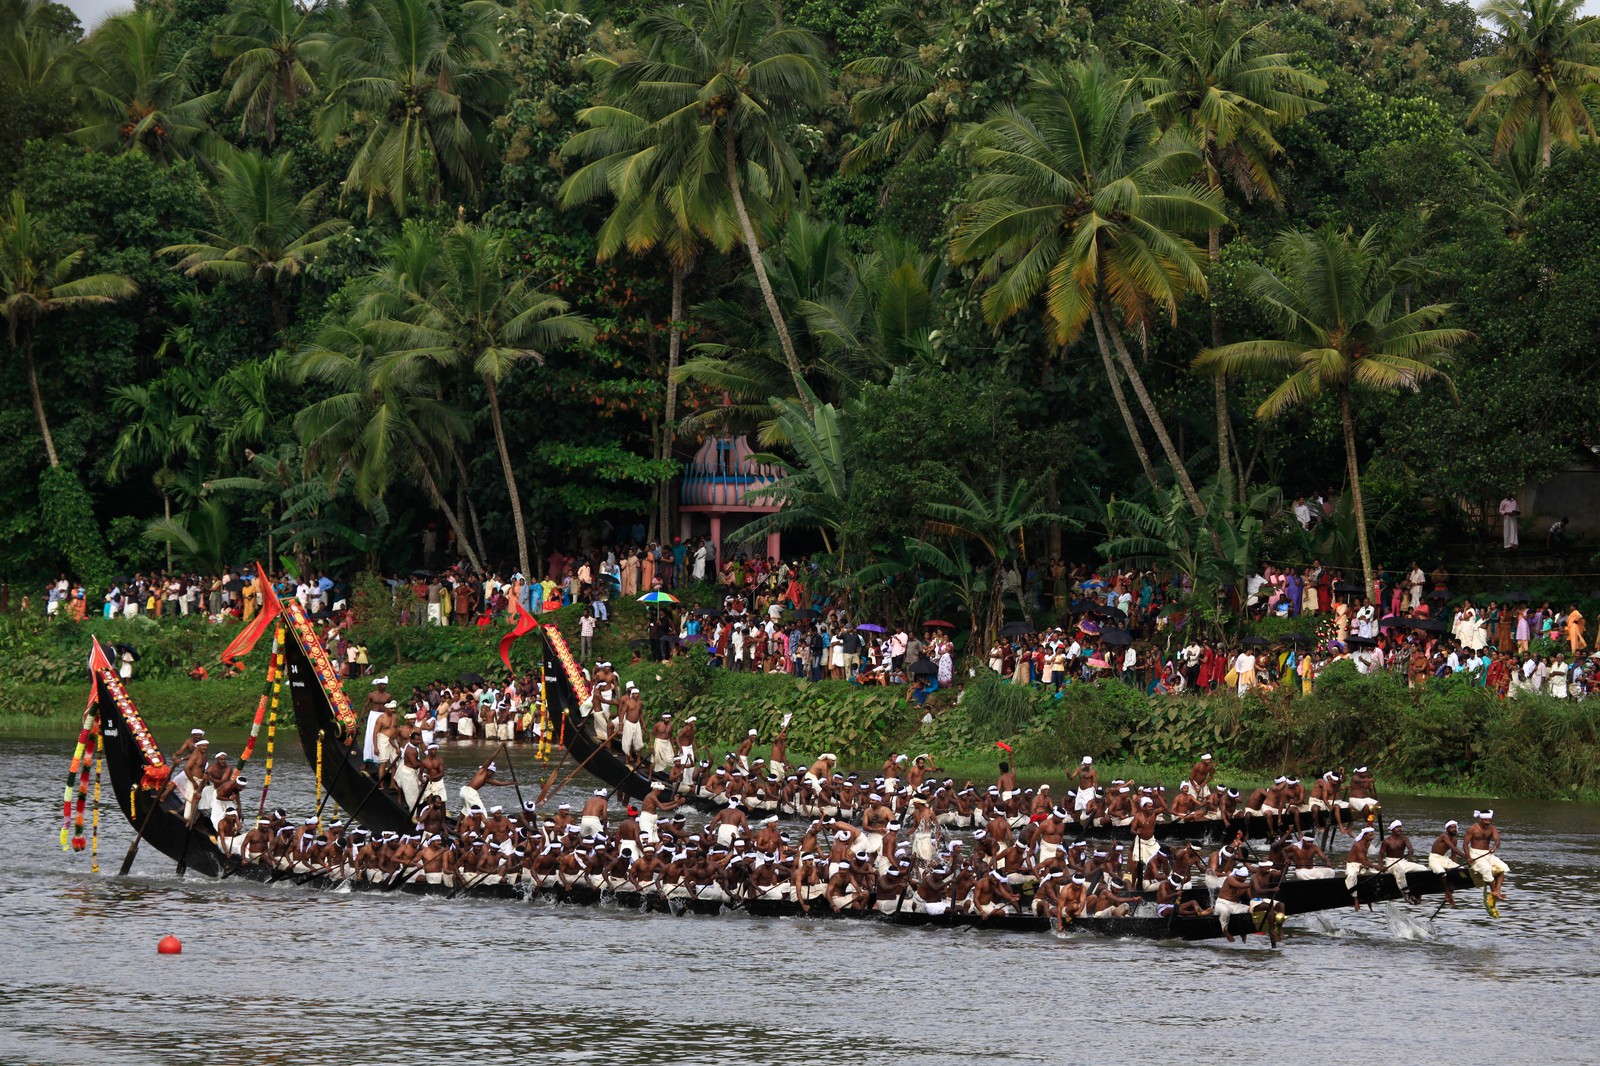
1212	79
161	427
460	302
723	82
1081	202
649	214
906	102
1342	327
1543	72
419	93
276	47
814	491
36	279
264	232
199	538
380	418
36	58
136	92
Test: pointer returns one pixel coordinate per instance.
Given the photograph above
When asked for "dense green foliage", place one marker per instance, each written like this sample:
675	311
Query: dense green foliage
315	277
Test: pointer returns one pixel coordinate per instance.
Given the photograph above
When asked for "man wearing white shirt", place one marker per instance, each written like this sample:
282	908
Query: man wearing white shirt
1508	521
1245	667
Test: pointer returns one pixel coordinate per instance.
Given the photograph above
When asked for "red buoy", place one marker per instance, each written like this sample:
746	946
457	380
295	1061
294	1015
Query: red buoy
170	945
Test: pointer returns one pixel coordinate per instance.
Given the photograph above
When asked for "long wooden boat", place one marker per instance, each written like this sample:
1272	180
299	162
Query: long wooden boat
139	776
567	689
331	733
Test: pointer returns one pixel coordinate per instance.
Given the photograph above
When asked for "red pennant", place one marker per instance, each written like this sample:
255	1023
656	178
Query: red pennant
525	624
247	638
1003	746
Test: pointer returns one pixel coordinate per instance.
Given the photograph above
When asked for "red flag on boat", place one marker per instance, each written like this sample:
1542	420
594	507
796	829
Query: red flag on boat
247	638
525	624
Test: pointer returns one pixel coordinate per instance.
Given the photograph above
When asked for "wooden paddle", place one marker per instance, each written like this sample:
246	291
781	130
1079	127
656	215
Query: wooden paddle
133	849
188	830
577	771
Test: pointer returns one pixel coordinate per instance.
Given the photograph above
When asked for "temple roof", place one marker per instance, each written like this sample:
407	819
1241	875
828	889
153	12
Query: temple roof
721	476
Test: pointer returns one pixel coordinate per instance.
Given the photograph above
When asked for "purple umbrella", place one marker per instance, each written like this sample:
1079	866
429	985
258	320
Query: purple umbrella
868	627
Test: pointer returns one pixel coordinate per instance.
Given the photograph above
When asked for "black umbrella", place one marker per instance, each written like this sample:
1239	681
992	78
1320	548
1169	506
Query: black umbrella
128	650
1015	629
1439	594
1255	642
1517	596
1429	625
1116	636
233	584
1362	642
1111	613
422	573
1345	587
710	612
640	643
924	667
470	678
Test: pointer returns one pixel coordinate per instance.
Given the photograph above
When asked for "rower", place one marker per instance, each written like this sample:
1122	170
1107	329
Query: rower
1106	902
431	768
1169	897
1233	897
230	832
1325	797
728	824
385	731
1302	856
192	782
686	742
1483	846
482	777
1359	861
1363	794
991	895
780	752
1395	852
1294	799
1071	900
593	820
742	753
1447	855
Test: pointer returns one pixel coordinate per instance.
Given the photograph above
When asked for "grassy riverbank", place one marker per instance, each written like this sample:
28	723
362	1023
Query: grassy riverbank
1448	738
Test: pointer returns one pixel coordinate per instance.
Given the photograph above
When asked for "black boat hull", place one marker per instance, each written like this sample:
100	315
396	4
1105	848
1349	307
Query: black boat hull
331	734
129	750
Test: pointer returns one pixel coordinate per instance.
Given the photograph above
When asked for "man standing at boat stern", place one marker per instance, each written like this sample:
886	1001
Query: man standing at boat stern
1483	846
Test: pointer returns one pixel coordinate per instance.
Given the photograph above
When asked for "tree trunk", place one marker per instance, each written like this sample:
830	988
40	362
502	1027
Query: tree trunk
802	393
38	403
1156	424
472	506
1220	381
1115	378
275	298
166	511
451	516
1356	503
511	478
1544	128
669	415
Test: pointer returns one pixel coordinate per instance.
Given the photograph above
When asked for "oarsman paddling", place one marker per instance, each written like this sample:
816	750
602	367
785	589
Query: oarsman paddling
1325	797
1447	855
593	820
1169	895
1395	853
482	777
1483	846
1358	862
1233	897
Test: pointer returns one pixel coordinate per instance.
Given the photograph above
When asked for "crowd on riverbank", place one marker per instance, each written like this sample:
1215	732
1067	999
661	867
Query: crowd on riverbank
781	616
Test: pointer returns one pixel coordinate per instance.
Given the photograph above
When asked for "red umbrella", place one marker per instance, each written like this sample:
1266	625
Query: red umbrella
939	624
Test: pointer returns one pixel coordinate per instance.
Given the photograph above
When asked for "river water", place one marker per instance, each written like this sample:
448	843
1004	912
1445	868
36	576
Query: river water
284	974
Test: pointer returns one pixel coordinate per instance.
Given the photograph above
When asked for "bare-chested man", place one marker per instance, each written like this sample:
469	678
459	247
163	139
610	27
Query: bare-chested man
593	819
481	777
1447	854
1483	847
686	742
1169	897
631	711
1359	862
1233	898
1363	794
385	741
1395	852
1201	776
661	754
777	761
1325	797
